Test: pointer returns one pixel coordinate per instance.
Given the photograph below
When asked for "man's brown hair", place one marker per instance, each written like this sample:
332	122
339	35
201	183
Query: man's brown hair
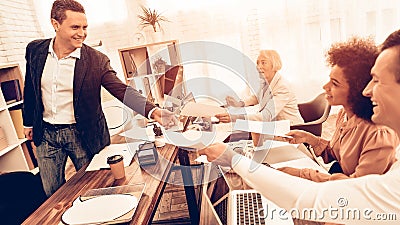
60	6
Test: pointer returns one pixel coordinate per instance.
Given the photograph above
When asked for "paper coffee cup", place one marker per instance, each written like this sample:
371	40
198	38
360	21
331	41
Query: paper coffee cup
116	163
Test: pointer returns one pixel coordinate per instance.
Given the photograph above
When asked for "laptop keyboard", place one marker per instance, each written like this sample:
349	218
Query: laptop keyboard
248	209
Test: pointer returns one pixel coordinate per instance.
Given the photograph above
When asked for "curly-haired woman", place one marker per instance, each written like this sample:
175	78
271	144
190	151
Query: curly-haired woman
359	146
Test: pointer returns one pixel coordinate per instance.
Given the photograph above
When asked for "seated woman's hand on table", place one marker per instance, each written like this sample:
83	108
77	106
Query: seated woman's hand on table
218	153
300	136
231	101
224	117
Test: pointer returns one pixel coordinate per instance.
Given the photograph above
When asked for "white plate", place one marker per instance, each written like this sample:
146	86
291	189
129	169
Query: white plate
100	209
116	116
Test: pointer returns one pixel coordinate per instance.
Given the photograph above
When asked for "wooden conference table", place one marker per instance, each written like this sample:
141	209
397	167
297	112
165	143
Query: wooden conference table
51	210
154	176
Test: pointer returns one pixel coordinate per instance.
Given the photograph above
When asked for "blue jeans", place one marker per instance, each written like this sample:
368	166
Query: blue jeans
52	153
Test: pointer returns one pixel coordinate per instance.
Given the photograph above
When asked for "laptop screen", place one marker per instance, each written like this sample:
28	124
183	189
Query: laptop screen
218	187
218	192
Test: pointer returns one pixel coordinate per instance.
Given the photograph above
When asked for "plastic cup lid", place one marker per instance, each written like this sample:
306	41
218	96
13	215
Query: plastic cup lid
114	159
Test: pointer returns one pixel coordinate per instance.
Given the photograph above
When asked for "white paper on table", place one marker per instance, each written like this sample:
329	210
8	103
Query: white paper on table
247	110
202	159
275	128
140	133
199	109
190	138
127	150
194	138
268	144
300	164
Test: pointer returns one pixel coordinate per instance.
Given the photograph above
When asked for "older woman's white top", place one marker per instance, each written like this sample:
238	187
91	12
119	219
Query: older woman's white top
277	102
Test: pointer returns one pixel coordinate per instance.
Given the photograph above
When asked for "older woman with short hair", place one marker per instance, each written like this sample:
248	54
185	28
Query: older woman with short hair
275	98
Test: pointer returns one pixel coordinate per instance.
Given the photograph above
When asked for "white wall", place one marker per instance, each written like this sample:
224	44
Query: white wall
18	27
300	30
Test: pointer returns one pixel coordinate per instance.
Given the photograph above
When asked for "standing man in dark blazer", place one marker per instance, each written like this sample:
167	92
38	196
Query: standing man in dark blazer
62	106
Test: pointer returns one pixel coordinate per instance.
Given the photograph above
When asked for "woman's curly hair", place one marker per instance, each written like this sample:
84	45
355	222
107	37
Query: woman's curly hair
356	57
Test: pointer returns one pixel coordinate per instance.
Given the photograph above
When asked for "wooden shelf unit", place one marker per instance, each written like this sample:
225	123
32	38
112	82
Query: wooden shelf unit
140	70
16	156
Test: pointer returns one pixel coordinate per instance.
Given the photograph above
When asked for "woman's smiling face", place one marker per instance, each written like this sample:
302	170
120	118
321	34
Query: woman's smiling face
337	88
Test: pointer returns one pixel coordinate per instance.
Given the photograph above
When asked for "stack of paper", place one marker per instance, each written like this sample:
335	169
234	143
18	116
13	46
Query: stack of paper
140	133
190	138
127	150
194	138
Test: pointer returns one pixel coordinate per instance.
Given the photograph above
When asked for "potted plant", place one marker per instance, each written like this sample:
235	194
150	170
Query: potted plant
151	18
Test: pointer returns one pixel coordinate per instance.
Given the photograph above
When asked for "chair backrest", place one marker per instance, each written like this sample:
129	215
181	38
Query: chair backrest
169	79
314	109
314	113
21	194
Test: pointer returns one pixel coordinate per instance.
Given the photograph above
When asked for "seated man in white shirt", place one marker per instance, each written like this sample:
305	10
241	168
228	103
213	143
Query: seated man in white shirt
371	199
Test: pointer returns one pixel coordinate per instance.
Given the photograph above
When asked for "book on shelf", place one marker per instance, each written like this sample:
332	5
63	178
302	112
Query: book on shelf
11	91
3	139
16	117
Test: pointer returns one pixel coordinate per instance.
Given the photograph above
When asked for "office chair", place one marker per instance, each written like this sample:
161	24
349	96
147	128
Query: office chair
169	80
21	194
314	113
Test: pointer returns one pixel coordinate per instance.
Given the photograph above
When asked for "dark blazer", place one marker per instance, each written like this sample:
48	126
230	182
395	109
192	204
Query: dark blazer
92	71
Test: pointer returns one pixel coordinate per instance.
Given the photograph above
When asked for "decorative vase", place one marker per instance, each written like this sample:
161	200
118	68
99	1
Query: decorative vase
157	36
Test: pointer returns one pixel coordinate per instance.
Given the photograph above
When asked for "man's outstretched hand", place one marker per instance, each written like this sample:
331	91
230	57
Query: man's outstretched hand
164	117
218	153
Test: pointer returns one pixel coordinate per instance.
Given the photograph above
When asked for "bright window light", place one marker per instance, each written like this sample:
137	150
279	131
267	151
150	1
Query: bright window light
190	4
105	11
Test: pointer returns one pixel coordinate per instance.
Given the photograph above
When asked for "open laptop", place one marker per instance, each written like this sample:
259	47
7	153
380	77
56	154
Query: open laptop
235	206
